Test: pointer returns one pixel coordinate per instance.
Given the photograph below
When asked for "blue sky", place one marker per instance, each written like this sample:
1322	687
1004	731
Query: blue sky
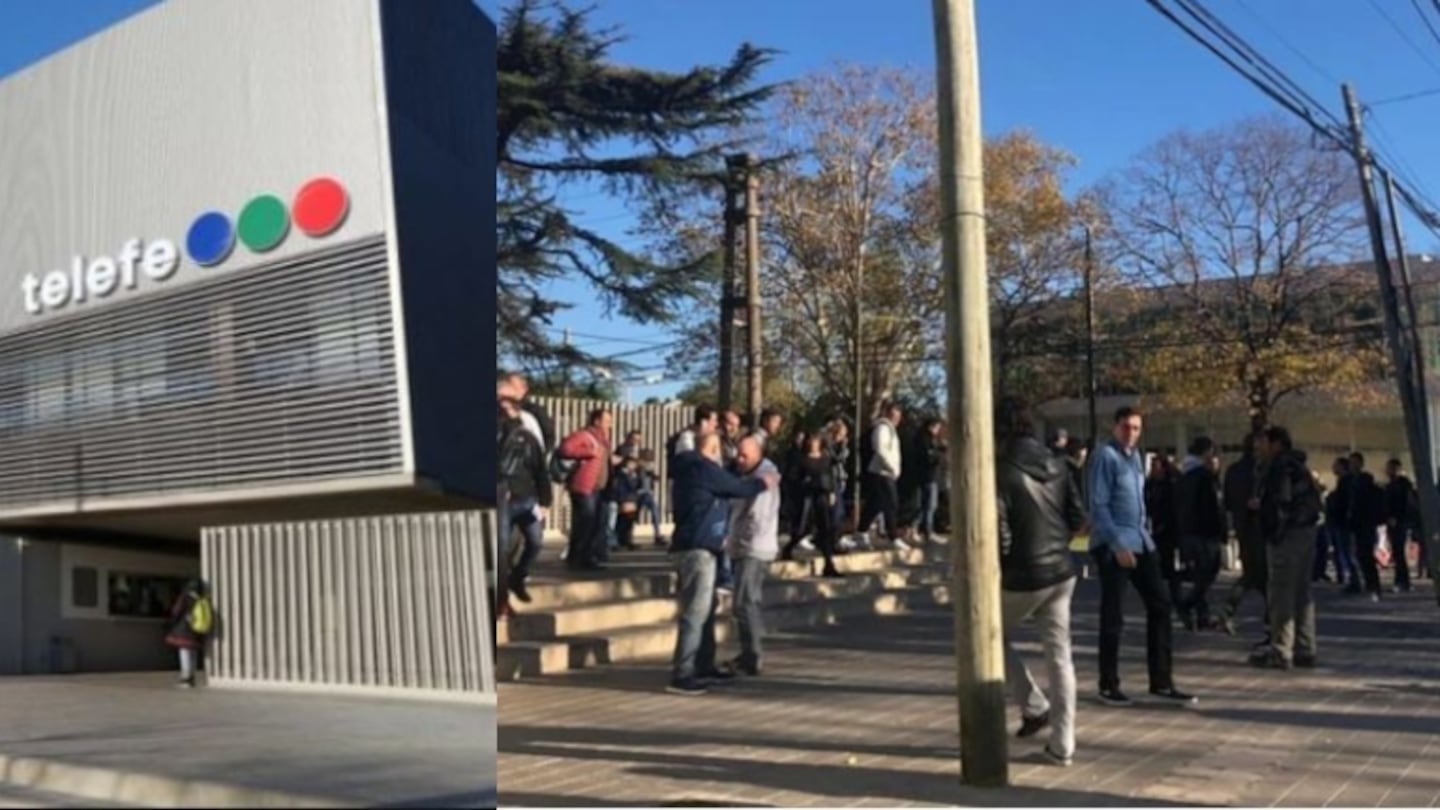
1101	78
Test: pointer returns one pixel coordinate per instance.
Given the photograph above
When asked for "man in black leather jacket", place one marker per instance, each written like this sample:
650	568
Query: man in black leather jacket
1040	512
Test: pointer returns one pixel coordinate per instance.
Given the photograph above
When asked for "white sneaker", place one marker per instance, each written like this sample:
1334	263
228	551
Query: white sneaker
847	544
900	545
807	544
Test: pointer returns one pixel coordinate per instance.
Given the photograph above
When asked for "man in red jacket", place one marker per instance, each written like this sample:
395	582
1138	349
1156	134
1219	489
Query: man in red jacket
590	449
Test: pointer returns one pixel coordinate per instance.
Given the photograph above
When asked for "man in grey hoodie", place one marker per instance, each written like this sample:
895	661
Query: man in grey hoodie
753	543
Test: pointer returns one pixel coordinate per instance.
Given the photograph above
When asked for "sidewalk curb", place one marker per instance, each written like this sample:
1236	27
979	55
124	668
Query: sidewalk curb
132	787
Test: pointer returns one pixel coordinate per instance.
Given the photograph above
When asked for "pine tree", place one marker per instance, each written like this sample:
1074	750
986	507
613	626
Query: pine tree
568	113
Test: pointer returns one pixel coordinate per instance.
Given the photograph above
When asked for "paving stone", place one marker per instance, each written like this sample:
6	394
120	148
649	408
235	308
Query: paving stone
863	714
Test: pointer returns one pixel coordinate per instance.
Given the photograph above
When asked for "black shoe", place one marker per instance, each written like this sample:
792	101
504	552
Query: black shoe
1030	726
1114	697
1305	661
744	668
660	542
832	573
1175	696
517	587
1270	659
788	555
592	566
688	687
717	677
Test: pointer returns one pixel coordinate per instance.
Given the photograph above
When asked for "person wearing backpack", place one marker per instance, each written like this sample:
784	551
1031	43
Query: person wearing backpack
1290	509
192	621
526	498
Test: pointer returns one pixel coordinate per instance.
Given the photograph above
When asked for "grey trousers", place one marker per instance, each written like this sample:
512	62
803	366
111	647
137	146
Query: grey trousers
695	643
750	576
1292	606
1049	608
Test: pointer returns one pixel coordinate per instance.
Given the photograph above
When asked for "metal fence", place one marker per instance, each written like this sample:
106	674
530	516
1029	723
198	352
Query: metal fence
395	603
657	423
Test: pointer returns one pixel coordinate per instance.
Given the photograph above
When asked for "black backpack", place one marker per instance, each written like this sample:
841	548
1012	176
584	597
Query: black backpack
562	469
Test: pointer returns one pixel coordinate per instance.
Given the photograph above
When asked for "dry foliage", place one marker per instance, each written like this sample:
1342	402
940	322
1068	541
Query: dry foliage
1236	238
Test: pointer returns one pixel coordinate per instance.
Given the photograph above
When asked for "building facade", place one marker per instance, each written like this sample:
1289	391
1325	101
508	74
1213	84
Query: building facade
249	257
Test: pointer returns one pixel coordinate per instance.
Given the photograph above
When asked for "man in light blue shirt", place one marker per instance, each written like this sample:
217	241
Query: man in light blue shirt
1124	551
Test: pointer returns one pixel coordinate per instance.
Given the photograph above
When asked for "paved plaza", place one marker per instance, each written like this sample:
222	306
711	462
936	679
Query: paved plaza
134	740
863	714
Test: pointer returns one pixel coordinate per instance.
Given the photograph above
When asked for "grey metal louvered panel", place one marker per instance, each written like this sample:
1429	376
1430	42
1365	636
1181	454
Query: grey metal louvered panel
394	604
278	373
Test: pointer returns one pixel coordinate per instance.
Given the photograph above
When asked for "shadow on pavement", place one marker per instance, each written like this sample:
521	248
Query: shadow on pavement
803	777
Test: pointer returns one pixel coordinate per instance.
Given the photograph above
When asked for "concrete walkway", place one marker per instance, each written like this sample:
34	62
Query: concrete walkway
864	715
136	740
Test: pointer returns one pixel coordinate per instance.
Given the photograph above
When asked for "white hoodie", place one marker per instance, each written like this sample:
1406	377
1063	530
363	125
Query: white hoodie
886	442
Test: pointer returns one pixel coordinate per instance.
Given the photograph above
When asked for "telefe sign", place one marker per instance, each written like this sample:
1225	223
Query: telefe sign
319	208
157	260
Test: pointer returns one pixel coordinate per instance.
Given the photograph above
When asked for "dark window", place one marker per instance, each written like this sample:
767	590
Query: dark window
145	596
85	587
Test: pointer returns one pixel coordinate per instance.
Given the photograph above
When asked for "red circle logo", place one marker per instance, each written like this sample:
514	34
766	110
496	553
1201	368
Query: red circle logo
320	206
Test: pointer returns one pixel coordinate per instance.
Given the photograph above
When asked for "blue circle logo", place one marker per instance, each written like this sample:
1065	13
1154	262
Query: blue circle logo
211	239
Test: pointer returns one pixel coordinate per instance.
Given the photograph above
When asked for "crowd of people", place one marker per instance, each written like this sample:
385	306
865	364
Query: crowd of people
1161	531
1164	531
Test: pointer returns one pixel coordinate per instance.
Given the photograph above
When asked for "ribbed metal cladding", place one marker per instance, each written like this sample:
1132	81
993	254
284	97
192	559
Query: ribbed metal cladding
276	373
387	603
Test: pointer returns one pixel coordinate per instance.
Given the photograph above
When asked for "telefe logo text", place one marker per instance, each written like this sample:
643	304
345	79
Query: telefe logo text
157	260
319	207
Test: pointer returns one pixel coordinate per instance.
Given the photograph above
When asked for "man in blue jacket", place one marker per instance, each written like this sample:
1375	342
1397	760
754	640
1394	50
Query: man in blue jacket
702	486
1123	549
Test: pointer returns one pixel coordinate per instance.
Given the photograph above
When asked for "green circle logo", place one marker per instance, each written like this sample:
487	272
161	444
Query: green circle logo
263	223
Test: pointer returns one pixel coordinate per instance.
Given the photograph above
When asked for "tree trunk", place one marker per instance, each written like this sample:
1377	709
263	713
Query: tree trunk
1259	402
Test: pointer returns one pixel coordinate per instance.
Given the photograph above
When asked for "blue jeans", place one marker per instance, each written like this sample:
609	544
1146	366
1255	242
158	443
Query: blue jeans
645	502
522	517
1340	541
612	514
695	643
929	505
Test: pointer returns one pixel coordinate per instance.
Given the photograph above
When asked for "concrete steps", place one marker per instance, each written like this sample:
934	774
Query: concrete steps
628	615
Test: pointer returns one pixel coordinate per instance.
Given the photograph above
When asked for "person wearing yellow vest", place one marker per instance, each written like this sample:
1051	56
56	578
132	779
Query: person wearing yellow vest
192	620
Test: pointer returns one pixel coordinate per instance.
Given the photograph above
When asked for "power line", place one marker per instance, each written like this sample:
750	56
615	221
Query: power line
1379	9
1297	107
1288	95
1323	73
1425	18
1434	91
607	338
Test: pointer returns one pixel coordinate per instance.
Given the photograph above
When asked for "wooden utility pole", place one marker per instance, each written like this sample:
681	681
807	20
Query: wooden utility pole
565	370
727	287
1400	350
1424	464
754	359
979	654
1090	382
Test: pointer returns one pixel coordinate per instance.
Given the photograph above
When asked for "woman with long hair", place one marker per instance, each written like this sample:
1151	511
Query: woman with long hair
817	487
